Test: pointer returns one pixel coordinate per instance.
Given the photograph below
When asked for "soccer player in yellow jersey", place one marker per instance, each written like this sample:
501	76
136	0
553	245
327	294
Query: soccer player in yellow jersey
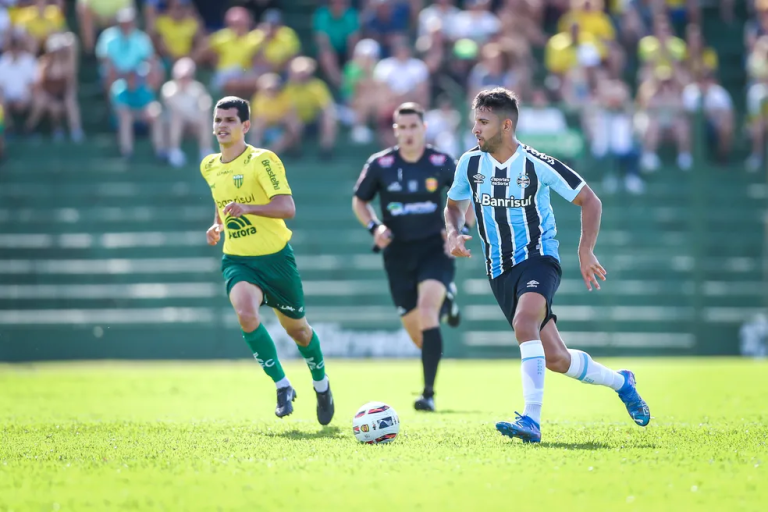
252	198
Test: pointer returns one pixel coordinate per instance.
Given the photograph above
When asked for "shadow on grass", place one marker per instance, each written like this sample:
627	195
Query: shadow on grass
455	411
299	435
591	446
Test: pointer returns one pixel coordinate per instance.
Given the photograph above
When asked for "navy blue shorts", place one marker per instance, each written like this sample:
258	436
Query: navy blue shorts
540	275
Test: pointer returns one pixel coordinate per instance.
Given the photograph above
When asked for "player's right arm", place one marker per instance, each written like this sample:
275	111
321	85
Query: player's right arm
214	232
365	190
459	198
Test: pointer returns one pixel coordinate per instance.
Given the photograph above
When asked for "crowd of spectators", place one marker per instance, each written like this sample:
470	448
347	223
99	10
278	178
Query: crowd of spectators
628	74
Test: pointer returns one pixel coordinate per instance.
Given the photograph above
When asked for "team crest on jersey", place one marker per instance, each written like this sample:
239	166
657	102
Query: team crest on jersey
431	184
386	161
479	178
437	159
238	179
523	180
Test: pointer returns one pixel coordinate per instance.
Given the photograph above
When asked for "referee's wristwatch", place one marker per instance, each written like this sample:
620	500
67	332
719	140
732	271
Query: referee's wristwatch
372	226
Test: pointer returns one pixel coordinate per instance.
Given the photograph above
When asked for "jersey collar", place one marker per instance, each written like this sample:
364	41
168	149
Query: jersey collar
509	160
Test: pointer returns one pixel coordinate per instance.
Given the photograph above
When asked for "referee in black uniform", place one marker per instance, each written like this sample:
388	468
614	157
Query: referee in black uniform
410	178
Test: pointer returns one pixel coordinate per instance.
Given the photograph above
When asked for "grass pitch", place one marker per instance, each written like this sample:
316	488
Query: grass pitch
203	436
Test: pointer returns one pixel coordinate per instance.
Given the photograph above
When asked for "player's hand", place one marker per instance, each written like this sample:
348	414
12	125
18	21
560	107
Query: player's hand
456	245
382	237
591	269
235	209
214	234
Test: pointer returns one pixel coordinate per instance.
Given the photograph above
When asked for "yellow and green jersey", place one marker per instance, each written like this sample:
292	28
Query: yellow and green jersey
253	178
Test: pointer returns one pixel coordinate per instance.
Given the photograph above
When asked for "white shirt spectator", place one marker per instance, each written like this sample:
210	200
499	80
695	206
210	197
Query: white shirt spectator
548	120
756	98
400	76
612	133
472	25
189	100
716	98
434	14
17	75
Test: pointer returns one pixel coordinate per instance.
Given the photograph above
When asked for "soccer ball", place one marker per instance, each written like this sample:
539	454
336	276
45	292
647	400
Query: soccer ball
376	423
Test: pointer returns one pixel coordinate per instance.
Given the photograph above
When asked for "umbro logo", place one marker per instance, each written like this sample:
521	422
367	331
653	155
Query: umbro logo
532	284
479	178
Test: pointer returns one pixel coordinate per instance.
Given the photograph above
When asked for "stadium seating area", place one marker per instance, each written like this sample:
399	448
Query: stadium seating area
106	254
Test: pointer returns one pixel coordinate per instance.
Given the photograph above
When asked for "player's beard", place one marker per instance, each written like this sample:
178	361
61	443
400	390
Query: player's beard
490	145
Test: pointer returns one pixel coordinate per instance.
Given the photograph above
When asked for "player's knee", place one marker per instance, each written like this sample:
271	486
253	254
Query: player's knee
302	334
429	315
558	361
526	326
248	318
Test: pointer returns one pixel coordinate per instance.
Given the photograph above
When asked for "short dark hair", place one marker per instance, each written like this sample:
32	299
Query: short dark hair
409	108
243	106
500	101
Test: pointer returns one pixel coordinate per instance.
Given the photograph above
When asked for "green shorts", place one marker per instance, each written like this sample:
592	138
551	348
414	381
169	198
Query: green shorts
276	274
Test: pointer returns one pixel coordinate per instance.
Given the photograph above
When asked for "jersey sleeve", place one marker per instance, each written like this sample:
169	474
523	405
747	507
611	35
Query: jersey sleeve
559	177
449	171
460	189
367	185
270	173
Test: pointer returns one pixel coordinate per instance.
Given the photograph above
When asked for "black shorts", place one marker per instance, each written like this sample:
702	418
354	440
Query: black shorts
540	275
413	262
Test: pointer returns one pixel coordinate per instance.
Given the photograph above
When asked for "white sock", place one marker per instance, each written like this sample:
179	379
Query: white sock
283	383
533	369
585	369
321	386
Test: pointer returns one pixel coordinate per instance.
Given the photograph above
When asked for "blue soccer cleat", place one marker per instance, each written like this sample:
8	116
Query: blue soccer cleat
524	428
636	406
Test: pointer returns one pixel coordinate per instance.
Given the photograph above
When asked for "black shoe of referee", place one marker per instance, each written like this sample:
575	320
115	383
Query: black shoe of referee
451	312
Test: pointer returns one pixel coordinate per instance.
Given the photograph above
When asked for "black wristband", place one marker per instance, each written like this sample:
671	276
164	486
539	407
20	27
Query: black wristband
372	226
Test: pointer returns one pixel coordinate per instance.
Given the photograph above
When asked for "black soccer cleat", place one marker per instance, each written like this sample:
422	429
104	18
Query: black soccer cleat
285	397
424	403
325	406
452	315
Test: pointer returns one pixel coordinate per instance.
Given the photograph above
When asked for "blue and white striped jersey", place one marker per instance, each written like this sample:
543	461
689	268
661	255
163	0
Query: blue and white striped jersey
515	220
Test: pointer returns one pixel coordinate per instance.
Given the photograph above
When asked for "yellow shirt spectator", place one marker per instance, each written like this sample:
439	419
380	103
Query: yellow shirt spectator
650	51
177	35
271	107
281	47
560	54
234	51
40	26
106	8
309	98
596	23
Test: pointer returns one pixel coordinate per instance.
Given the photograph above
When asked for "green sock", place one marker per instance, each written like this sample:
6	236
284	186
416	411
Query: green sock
314	357
264	351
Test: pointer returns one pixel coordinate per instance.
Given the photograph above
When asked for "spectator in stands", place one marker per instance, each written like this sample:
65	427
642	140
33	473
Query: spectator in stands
93	15
441	13
443	126
610	129
232	51
757	27
660	50
5	26
589	16
757	102
566	51
541	118
276	44
274	121
405	78
39	21
336	29
498	69
187	106
663	115
56	88
522	22
701	59
361	91
134	102
176	32
314	104
123	49
18	73
706	93
475	22
385	21
632	19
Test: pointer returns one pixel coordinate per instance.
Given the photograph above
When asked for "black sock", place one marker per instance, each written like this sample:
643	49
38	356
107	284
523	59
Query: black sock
431	351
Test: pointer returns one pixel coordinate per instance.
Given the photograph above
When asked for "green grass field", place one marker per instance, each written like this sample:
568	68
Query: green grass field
203	436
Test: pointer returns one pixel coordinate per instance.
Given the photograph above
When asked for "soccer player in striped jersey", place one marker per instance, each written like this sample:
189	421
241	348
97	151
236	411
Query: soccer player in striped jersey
508	184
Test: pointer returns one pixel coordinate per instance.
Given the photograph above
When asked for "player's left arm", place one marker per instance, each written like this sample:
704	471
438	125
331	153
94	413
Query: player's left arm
270	173
572	187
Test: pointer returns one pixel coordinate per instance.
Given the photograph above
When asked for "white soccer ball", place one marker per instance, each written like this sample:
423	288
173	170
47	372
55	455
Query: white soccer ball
376	423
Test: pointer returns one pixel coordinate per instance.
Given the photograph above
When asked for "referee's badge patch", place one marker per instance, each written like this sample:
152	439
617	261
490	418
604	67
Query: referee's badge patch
437	159
431	184
523	180
386	161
